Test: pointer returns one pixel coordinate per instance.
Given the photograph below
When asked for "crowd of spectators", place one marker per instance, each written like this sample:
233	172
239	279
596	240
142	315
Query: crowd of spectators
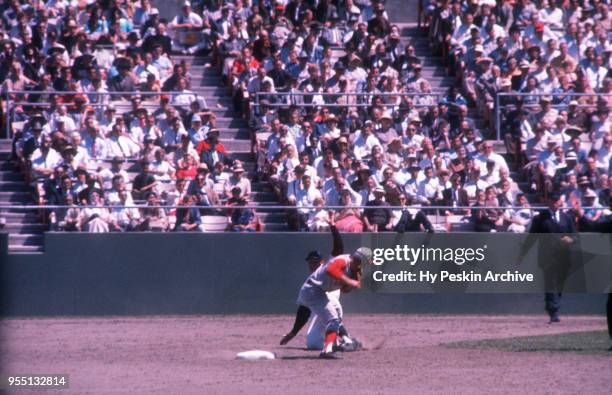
398	143
339	112
103	117
550	60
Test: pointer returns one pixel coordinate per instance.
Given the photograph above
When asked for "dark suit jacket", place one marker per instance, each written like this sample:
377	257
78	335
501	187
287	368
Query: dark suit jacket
545	223
552	251
409	224
311	154
462	199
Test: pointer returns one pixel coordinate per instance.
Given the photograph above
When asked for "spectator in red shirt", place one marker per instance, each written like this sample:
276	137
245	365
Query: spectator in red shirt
211	150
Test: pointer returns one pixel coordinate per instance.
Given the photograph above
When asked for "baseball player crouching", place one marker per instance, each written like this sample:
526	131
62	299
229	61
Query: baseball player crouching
340	273
315	336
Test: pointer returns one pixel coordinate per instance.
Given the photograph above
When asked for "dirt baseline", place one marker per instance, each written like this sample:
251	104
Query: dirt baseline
196	355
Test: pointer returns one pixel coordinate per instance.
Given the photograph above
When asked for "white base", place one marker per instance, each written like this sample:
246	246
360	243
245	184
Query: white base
254	355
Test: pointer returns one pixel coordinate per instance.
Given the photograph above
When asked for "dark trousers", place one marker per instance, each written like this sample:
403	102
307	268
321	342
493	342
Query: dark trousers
554	281
552	302
483	224
413	225
609	314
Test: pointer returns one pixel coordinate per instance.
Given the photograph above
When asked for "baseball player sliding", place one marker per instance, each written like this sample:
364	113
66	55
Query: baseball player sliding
320	294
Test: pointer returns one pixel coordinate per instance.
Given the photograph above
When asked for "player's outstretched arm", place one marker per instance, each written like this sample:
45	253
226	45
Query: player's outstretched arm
301	318
338	248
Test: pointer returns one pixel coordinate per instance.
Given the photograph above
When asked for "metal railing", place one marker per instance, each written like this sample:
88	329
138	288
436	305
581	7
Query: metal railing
359	104
11	104
284	207
499	107
436	211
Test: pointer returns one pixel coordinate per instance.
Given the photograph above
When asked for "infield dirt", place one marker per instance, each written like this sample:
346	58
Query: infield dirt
184	355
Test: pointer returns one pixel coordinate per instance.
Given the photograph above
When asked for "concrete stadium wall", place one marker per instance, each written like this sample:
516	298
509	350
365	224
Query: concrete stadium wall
228	273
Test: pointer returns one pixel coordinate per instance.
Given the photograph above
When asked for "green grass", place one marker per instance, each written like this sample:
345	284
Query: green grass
593	342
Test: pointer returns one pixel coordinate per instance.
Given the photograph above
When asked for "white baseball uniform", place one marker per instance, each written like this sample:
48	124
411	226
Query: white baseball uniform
321	294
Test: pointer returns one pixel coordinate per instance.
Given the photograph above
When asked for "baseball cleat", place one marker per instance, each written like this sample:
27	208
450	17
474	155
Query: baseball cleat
348	346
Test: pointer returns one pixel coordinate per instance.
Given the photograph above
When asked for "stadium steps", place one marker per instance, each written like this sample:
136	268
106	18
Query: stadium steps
25	243
436	73
433	68
24	227
206	82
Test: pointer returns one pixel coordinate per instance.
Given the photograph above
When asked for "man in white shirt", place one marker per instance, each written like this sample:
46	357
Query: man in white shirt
162	63
411	187
279	137
333	195
306	195
600	127
596	72
308	169
106	175
604	155
550	14
61	116
197	132
93	142
474	184
255	84
412	139
488	154
121	145
327	159
237	179
365	141
160	168
81	156
185	97
491	22
429	189
144	68
171	138
462	32
44	159
185	24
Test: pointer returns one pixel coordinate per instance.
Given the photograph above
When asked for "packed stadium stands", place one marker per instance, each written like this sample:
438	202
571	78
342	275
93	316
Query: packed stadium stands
137	122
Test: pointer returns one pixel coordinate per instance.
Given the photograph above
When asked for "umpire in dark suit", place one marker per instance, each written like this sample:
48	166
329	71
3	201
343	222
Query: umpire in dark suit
554	252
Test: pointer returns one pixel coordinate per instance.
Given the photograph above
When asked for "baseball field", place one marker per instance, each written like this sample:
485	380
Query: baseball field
421	353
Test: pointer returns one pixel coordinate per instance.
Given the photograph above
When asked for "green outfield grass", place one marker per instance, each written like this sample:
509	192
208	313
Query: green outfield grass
593	342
